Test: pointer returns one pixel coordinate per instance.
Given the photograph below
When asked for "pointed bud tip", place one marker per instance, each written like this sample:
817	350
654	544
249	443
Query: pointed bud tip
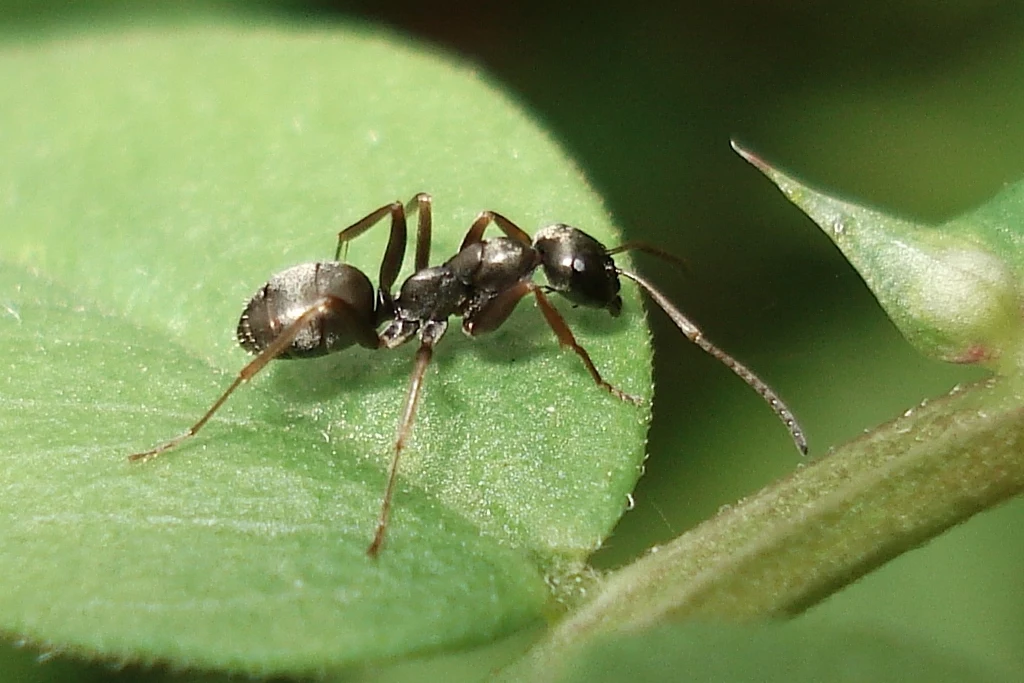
951	290
749	156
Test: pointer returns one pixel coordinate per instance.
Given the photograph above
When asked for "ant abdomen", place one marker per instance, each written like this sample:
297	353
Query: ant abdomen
579	267
345	293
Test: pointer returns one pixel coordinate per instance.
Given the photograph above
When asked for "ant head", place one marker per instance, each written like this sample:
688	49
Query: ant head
578	267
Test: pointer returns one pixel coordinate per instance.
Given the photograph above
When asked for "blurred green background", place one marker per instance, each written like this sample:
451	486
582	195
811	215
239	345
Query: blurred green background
916	107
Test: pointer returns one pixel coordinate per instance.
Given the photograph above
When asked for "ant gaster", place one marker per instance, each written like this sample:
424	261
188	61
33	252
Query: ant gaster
314	309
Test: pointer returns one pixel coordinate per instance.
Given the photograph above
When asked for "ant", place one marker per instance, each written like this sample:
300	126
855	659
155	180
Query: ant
313	309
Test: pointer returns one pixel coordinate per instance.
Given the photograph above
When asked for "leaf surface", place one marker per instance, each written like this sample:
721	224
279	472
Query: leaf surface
152	182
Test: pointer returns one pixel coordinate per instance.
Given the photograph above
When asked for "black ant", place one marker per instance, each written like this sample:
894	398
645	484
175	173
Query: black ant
314	309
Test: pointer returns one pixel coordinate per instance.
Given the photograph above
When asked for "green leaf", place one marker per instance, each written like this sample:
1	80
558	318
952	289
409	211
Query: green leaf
151	183
783	652
954	291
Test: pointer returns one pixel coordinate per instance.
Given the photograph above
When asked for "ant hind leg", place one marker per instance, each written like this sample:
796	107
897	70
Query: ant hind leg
280	344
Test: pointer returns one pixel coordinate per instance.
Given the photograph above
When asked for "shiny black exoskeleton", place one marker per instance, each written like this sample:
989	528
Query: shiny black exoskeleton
579	267
468	285
314	309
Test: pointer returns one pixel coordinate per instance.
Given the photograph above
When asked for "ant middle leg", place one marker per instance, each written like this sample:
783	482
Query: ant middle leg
322	307
429	337
491	316
422	203
484	219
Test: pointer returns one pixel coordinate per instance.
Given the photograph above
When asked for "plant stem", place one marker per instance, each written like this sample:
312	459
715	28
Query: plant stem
807	536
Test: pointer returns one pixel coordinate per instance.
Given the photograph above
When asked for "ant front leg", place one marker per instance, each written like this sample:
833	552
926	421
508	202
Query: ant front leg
491	316
322	307
511	230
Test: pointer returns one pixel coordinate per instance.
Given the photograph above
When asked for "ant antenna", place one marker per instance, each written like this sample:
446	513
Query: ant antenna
693	333
646	248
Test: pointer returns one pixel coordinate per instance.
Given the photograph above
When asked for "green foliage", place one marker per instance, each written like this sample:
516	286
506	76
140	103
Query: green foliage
152	182
784	653
954	291
803	538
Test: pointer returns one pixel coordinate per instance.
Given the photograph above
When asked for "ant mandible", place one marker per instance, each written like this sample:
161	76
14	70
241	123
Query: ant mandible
313	309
